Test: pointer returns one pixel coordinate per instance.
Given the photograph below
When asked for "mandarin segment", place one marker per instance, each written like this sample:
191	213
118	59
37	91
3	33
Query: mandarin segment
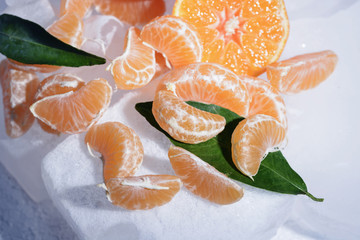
131	11
252	139
80	8
18	88
120	148
252	33
265	99
184	122
142	192
57	84
302	72
209	83
203	179
174	38
137	66
69	29
74	112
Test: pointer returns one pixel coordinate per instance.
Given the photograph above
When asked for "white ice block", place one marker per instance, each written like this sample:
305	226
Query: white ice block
71	175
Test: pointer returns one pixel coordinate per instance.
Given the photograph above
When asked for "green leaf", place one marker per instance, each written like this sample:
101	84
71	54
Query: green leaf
275	174
29	43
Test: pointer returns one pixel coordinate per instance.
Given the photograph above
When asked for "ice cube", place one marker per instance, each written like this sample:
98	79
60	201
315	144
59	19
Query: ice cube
22	157
38	11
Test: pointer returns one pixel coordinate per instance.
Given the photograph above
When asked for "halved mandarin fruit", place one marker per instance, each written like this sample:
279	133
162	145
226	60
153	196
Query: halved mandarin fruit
184	122
130	11
69	29
142	192
208	83
302	72
80	8
253	139
121	149
174	38
57	84
18	88
74	112
137	66
202	179
243	35
265	99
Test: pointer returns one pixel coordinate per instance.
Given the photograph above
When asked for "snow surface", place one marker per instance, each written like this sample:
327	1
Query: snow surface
322	148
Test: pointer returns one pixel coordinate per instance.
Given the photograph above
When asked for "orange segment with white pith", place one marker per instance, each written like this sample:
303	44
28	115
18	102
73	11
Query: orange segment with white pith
174	38
57	84
265	99
74	112
252	139
69	29
120	147
184	122
134	12
18	89
302	72
142	192
208	83
74	6
203	179
137	66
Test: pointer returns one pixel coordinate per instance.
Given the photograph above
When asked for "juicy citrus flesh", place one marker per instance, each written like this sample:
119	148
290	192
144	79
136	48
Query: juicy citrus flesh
74	112
133	12
57	84
302	72
174	38
243	35
137	66
208	83
253	139
121	149
203	179
265	99
184	122
18	88
142	192
69	29
79	8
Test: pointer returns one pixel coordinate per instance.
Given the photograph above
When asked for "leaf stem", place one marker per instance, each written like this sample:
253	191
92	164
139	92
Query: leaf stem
314	198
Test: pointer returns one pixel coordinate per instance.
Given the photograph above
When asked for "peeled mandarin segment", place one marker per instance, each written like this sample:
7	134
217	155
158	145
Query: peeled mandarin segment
251	141
202	179
265	99
74	112
302	72
121	149
184	122
137	66
57	84
69	29
18	89
78	7
173	37
209	83
143	192
133	12
252	33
